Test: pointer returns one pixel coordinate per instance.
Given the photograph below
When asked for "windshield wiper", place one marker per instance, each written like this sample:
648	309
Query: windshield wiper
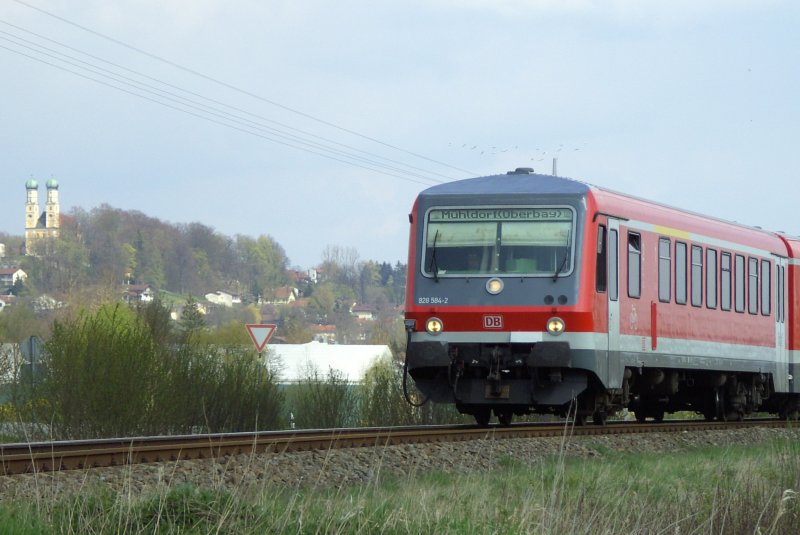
561	267
566	257
433	264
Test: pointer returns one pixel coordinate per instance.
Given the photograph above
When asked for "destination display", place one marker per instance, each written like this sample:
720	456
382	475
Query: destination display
500	214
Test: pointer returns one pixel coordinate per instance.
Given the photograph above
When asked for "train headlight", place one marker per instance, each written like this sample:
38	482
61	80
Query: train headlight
555	326
434	326
494	286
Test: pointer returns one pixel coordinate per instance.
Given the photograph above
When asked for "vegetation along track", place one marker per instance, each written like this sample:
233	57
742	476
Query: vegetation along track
80	454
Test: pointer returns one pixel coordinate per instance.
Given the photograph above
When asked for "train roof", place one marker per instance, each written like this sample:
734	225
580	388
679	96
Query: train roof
512	182
793	244
524	180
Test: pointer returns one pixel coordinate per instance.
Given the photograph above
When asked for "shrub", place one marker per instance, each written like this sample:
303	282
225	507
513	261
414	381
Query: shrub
322	400
383	401
115	372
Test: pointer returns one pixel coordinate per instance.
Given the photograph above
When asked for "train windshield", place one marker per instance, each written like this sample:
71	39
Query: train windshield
532	241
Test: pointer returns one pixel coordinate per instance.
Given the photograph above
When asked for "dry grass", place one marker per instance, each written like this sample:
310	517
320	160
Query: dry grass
712	491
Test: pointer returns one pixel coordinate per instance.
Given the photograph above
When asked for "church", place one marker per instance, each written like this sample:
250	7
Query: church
41	227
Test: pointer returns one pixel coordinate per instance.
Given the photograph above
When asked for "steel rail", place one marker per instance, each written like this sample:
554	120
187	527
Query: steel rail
80	454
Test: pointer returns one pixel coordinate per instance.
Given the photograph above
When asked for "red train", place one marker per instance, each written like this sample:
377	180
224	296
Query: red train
532	293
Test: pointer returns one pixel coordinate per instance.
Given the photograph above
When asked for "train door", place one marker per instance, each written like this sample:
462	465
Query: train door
613	295
781	351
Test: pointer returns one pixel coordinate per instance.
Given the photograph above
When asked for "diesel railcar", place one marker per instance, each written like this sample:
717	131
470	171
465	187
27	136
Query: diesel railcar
532	293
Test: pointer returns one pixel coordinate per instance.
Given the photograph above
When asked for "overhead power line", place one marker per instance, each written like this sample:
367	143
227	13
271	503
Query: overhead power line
238	89
158	95
209	119
198	95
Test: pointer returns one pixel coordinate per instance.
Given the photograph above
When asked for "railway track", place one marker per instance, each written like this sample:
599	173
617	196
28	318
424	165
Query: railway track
81	454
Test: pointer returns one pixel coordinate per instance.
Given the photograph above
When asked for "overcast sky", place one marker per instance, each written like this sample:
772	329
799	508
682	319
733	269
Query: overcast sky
690	103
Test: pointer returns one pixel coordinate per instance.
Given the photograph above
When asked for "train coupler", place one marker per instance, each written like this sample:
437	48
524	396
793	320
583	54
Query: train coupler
494	388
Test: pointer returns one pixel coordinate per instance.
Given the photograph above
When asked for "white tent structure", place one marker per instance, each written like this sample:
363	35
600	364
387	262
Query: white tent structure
293	360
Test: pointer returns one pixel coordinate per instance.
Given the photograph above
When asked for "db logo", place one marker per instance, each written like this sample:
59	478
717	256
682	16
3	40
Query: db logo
493	322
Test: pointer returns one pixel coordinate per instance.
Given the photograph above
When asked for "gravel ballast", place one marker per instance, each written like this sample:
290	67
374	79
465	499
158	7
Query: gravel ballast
352	466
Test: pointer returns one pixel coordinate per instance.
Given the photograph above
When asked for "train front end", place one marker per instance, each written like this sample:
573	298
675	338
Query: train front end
497	312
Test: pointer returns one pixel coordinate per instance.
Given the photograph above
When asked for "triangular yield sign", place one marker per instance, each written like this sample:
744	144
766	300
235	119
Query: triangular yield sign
260	334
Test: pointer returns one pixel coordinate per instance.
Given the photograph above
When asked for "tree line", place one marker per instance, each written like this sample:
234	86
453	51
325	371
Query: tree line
109	246
100	250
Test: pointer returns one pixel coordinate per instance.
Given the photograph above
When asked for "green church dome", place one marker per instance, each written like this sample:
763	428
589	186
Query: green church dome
31	184
52	184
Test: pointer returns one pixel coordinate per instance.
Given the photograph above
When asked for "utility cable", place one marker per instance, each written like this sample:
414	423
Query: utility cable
198	95
235	88
245	130
179	99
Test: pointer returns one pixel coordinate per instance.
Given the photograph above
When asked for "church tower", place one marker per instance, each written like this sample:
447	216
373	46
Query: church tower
40	227
52	209
31	213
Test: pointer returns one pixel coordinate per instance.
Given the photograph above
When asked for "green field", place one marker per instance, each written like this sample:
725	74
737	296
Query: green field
718	490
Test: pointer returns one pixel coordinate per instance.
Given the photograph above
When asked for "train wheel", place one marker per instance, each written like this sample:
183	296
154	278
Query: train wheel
658	415
640	416
482	417
715	407
504	417
734	416
600	418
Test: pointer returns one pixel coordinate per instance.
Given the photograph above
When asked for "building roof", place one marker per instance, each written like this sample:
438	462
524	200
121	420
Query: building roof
351	360
284	292
137	289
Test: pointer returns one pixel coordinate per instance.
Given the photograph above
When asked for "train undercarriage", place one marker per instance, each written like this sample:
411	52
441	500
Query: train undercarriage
516	380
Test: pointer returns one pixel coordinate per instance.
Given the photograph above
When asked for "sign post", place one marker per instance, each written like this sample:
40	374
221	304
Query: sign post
260	334
31	349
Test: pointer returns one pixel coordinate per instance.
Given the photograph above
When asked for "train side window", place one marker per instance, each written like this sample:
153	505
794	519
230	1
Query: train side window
711	278
602	259
725	281
697	275
779	287
613	265
752	285
766	293
664	270
680	273
634	265
739	283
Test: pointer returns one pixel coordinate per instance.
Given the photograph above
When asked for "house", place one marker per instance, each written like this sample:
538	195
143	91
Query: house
220	298
10	276
139	293
224	298
2	250
283	296
325	334
364	312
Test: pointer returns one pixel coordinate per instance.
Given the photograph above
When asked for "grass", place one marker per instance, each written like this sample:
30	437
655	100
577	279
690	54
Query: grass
717	490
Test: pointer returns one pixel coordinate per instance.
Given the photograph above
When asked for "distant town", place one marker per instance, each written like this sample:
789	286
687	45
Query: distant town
66	262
